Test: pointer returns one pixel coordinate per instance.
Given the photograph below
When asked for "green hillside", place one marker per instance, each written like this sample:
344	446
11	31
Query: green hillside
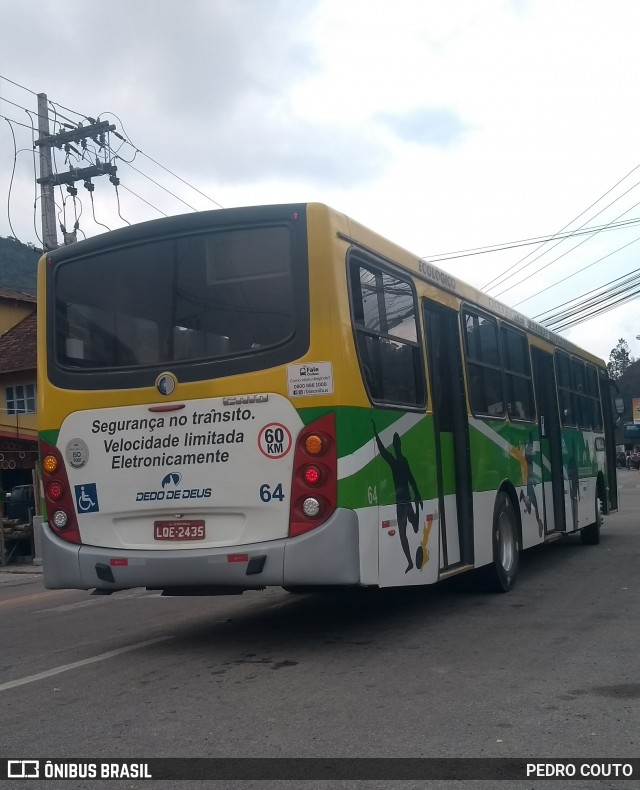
18	263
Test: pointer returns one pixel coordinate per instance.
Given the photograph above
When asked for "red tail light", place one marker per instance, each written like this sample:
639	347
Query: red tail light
61	513
55	491
315	476
312	475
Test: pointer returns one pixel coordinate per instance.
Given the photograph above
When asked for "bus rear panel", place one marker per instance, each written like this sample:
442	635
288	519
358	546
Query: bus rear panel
173	454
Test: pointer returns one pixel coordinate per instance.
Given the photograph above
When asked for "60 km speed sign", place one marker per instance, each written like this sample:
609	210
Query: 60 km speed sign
275	440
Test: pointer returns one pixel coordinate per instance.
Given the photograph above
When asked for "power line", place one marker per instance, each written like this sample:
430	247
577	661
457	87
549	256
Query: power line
13	171
545	314
35	174
135	194
8	101
215	202
580	271
137	151
600	311
76	127
501	276
594	299
93	208
508	245
116	182
6	79
510	287
13	120
55	104
555	260
156	183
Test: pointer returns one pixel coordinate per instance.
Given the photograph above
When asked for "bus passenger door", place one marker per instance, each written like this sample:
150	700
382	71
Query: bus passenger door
451	436
544	383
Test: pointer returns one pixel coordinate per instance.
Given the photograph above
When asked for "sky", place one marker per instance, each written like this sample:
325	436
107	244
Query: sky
444	126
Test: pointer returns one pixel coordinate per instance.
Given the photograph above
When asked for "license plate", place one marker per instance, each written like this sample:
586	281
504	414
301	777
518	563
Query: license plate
178	530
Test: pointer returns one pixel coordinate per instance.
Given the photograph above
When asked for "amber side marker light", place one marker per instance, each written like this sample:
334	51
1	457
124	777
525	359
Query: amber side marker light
313	444
50	464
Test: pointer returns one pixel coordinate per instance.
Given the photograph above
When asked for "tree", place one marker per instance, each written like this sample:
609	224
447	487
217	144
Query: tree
18	264
619	359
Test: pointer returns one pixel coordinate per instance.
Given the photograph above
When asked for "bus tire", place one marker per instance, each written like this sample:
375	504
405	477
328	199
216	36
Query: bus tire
500	576
590	535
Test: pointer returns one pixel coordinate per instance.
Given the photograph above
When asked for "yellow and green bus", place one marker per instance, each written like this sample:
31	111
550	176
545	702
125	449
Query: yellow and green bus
276	395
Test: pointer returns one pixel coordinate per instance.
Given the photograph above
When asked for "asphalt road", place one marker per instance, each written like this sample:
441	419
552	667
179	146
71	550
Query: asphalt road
549	670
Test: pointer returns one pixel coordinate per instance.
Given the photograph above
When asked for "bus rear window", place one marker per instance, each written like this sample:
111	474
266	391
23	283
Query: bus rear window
189	298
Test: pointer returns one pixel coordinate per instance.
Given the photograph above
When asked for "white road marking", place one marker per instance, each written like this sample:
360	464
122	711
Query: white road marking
11	684
100	599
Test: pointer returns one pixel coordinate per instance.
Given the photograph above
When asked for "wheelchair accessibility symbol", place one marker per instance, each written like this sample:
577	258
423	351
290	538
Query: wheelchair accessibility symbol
87	498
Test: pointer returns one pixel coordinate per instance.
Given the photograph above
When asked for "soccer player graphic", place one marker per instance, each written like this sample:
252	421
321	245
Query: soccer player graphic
403	481
528	477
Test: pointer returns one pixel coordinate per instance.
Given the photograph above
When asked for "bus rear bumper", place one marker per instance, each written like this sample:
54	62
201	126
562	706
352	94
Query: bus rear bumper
328	555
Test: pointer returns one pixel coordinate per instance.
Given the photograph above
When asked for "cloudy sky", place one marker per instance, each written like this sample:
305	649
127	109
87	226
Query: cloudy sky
445	126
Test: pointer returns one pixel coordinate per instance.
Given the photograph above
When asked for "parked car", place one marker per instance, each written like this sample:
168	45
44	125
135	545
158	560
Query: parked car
20	503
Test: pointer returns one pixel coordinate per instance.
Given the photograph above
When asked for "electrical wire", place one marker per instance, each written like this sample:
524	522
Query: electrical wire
598	299
166	169
135	194
117	117
88	151
75	210
39	197
501	277
13	120
115	185
215	202
580	271
193	208
93	209
55	105
587	305
6	79
555	260
8	101
509	245
547	314
35	175
68	109
541	268
603	309
13	170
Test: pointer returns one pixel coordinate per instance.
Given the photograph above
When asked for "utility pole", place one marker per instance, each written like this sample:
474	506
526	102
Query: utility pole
96	131
47	200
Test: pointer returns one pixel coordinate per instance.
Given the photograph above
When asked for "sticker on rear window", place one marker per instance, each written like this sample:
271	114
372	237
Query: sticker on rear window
313	378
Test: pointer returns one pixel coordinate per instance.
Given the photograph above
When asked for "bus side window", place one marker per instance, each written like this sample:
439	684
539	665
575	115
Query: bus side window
389	350
516	364
486	390
565	394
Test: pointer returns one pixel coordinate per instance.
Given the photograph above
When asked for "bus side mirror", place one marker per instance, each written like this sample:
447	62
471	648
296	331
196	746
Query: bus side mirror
619	405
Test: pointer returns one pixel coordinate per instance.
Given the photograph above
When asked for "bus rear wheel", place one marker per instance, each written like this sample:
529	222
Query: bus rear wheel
500	576
590	535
